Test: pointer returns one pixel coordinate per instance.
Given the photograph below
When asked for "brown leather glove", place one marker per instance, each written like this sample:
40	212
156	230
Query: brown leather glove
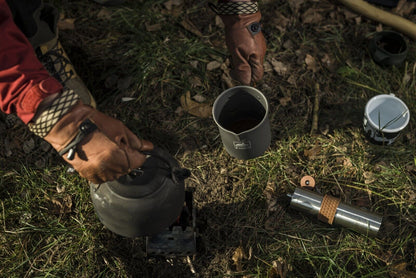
99	147
245	41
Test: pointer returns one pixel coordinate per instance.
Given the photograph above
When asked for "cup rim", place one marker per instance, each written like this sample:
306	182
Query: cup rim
382	34
391	96
235	88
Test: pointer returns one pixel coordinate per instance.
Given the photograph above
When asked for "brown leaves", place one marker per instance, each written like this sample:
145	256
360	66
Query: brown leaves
60	205
369	177
213	65
105	13
279	269
312	16
280	21
201	110
188	25
311	63
66	23
275	211
295	5
171	4
238	256
173	7
314	152
153	27
404	8
399	270
279	67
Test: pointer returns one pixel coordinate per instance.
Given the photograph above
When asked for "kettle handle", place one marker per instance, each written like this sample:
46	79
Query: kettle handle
178	174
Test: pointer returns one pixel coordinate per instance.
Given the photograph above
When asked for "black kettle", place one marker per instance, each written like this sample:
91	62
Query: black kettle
145	201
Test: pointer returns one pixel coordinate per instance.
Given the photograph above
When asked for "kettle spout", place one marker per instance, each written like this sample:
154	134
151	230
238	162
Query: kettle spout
180	174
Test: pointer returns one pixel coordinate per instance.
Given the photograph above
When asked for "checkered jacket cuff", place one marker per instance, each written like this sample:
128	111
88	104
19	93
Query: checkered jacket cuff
232	8
48	118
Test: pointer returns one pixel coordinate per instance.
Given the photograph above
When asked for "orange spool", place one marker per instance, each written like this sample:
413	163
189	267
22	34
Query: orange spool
307	182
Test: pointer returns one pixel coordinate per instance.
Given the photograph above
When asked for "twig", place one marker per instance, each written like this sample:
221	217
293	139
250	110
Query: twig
191	266
4	217
315	115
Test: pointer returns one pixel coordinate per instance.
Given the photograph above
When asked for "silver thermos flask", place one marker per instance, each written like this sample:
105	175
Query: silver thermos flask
330	210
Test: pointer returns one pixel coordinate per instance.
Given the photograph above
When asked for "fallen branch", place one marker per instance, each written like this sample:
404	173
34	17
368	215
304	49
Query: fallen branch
399	23
315	111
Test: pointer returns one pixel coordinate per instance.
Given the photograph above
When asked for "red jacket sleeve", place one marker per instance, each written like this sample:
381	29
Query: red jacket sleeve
24	82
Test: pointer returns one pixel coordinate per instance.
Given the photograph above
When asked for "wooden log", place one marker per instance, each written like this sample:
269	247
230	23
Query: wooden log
399	23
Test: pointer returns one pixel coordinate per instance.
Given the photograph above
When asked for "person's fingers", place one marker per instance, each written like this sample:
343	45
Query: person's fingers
135	158
146	145
242	70
256	68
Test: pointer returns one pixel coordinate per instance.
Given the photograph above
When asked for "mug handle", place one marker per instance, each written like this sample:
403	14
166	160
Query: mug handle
370	131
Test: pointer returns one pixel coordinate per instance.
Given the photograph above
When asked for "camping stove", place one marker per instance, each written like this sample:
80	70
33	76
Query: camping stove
179	239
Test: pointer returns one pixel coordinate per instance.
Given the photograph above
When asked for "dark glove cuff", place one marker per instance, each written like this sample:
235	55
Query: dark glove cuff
235	8
48	118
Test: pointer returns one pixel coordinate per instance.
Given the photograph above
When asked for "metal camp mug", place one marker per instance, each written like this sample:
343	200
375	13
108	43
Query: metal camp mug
241	114
388	48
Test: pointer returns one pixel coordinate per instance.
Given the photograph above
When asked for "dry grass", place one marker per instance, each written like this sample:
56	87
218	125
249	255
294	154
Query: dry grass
242	208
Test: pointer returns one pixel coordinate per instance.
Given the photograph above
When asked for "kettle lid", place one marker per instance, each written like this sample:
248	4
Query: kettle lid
159	169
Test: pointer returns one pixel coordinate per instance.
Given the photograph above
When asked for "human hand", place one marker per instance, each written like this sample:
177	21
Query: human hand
247	46
100	148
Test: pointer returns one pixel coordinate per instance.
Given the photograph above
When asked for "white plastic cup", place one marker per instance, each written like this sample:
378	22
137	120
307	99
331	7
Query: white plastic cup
385	117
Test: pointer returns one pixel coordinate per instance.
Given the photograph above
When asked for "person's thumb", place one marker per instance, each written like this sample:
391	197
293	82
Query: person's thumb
257	69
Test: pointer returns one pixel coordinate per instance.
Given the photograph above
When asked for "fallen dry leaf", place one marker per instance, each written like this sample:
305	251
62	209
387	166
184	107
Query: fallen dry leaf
349	15
199	98
194	64
280	21
195	82
295	4
313	152
279	67
153	27
292	80
227	80
105	13
60	205
270	194
279	268
219	22
312	16
404	7
213	65
238	257
66	24
284	101
267	67
189	26
399	271
201	110
329	62
275	210
311	63
288	44
169	4
369	177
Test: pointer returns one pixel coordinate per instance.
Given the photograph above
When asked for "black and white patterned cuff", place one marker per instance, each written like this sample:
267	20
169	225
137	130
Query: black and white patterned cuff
48	118
235	8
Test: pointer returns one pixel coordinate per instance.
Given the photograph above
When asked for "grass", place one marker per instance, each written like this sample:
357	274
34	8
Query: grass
241	204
